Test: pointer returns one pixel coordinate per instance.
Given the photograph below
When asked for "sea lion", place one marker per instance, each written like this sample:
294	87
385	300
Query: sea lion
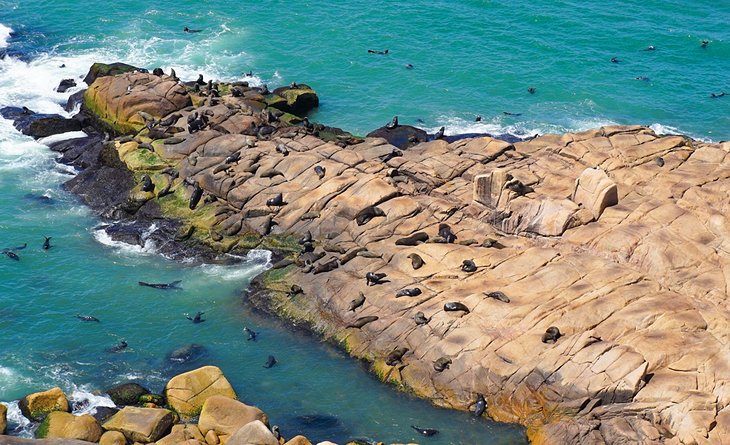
118	347
518	187
642	78
428	432
454	306
309	216
269	223
87	318
498	295
469	266
362	321
47	242
704	43
12	255
320	171
491	242
271	361
396	356
188	30
234	157
357	302
368	254
446	233
282	263
276	201
165	191
295	290
509	113
615	60
395	153
373	51
441	364
480	406
307	247
158	72
344	259
659	161
439	134
173	285
198	318
478	118
416	261
326	267
421	319
551	335
374	278
531	90
409	66
195	196
336	248
410	292
392	124
281	148
251	334
276	432
412	240
365	215
649	48
147	184
717	95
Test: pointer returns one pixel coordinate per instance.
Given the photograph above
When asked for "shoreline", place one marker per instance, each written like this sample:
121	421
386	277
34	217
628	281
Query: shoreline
416	193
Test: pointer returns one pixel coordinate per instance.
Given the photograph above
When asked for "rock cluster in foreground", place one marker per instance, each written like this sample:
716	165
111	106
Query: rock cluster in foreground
617	237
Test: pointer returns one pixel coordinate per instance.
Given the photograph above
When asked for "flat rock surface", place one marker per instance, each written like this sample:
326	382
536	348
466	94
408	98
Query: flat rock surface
637	288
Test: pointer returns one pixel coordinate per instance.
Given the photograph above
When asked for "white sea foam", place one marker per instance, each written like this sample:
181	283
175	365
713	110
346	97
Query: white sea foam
85	402
148	248
18	425
255	262
5	33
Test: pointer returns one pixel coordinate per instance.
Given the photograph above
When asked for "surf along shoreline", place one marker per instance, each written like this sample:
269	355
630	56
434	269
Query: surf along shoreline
223	168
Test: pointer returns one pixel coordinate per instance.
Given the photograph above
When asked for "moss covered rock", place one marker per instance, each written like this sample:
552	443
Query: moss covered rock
62	425
38	405
297	99
3	418
107	69
127	393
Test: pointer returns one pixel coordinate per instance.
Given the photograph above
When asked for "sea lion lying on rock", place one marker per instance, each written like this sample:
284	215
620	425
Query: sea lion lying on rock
365	215
551	335
454	306
374	278
362	321
412	240
498	295
411	292
416	261
396	356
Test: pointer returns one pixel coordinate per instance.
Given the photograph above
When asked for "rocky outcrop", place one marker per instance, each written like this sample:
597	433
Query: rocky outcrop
107	69
224	415
112	438
38	405
63	425
127	393
186	393
253	433
141	424
614	236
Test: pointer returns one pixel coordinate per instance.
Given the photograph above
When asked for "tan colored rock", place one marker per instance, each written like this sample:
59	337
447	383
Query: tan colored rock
488	187
186	393
211	438
298	440
181	433
113	438
226	416
223	438
253	433
63	425
38	405
141	424
595	191
3	418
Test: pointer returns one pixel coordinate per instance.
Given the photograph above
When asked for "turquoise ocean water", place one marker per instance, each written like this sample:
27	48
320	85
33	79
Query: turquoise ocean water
469	57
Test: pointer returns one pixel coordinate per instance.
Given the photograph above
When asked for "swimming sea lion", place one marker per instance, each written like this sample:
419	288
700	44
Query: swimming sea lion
47	243
372	51
409	66
365	215
326	267
412	240
421	319
393	123
87	318
12	255
198	318
446	233
118	347
186	29
251	334
357	302
649	48
173	285
195	196
396	356
374	278
276	201
704	43
428	432
469	266
410	292
498	295
642	78
362	321
717	95
271	361
531	90
320	171
281	148
478	118
551	335
615	60
480	406
453	306
416	261
441	364
509	113
275	431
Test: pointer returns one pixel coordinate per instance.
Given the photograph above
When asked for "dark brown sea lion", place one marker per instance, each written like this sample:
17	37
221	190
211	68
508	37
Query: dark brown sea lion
551	335
362	321
412	240
453	306
396	356
416	261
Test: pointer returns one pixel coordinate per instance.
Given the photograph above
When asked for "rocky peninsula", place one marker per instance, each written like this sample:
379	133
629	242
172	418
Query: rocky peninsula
577	282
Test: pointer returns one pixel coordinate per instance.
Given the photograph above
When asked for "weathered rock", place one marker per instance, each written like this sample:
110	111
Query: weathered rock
298	101
298	440
3	418
112	438
224	415
63	425
253	433
12	440
186	393
182	433
107	69
141	424
38	405
595	191
127	393
402	136
65	85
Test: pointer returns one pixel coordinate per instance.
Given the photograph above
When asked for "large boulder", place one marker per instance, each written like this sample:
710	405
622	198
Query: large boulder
298	440
13	440
38	405
402	136
226	416
127	393
113	438
182	433
186	393
3	418
141	424
117	101
299	100
63	425
107	69
253	433
595	191
39	125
